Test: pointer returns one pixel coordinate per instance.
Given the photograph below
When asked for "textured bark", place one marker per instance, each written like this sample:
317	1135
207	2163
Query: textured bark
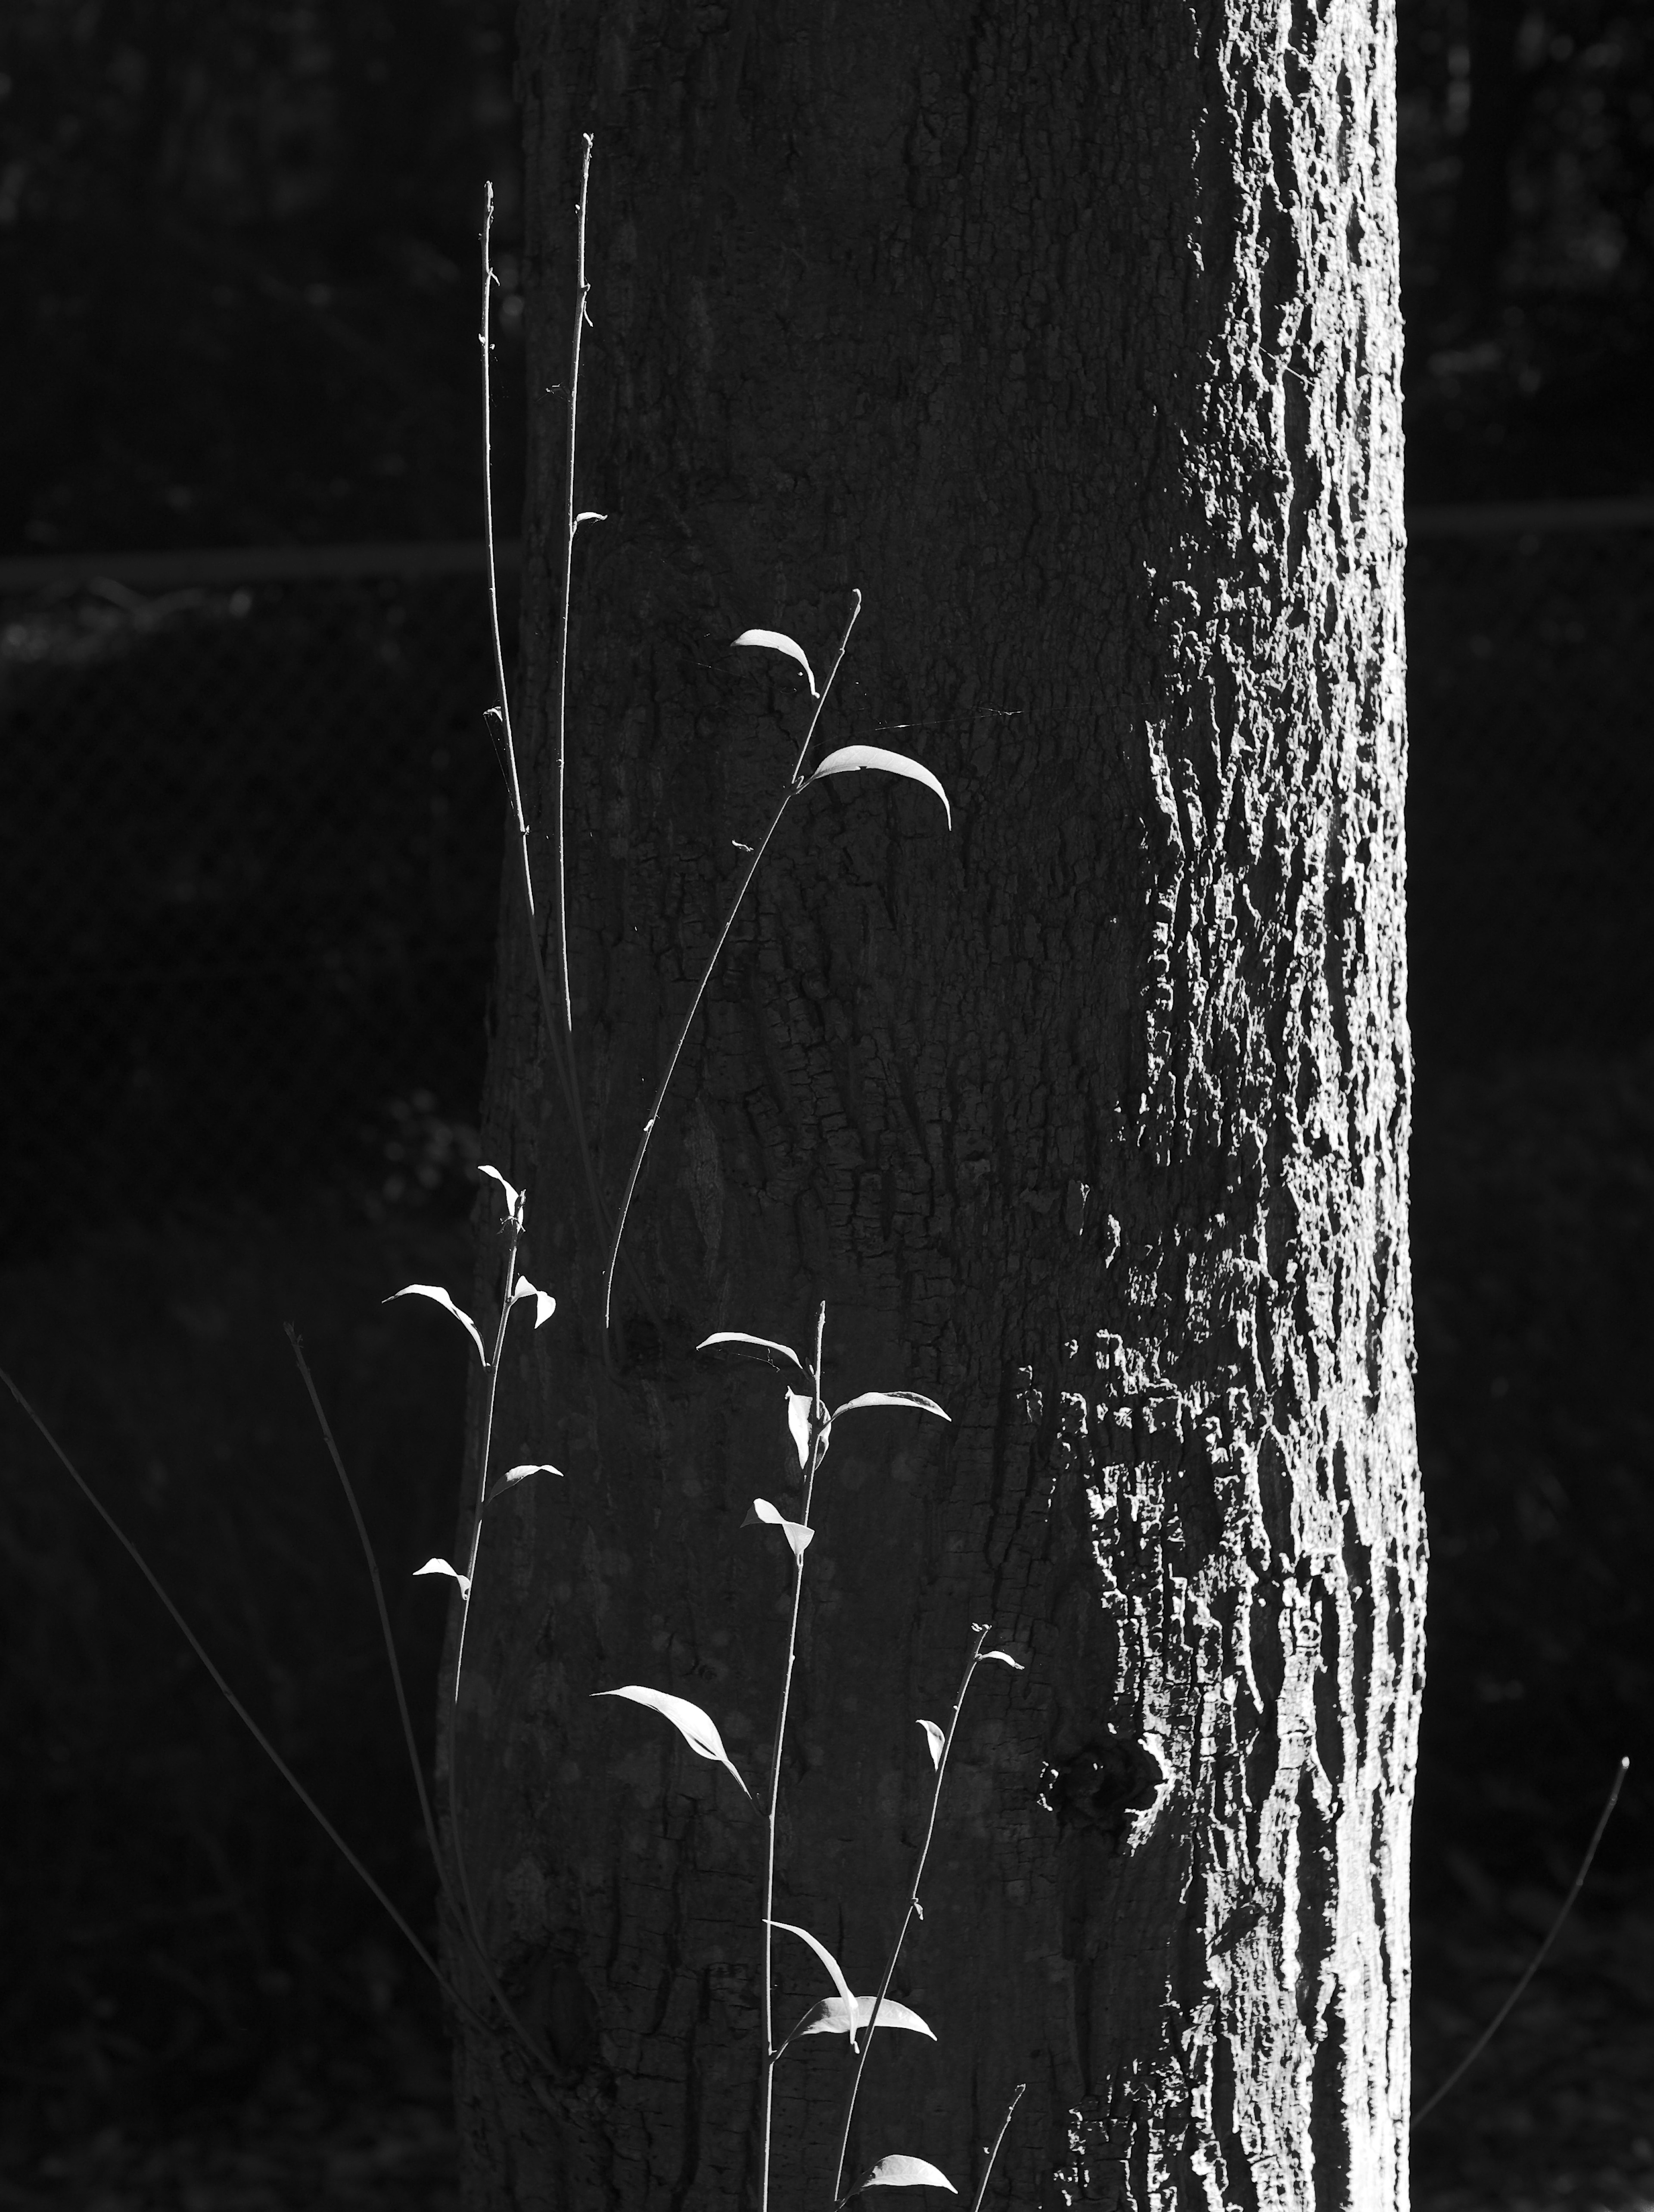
1070	335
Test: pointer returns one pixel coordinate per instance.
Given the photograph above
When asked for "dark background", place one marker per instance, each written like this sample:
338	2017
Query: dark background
251	834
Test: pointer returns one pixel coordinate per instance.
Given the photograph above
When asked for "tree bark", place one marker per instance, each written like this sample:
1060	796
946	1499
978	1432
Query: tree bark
1070	335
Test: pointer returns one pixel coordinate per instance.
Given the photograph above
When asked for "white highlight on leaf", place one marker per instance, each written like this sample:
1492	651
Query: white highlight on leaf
826	1959
588	515
515	1474
513	1197
698	1729
1006	1660
850	758
894	1398
777	642
799	1403
904	2173
936	1741
754	1347
441	1567
832	2016
797	1533
434	1292
544	1304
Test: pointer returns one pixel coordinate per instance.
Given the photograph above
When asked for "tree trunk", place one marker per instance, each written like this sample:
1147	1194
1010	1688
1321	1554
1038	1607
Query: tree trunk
1068	334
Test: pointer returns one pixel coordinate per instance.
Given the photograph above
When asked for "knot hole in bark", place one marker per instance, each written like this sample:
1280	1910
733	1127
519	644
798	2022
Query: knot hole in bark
1099	1786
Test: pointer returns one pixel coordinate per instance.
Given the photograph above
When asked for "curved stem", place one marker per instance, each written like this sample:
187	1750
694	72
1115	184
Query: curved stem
1538	1958
770	2053
983	1629
794	787
981	2186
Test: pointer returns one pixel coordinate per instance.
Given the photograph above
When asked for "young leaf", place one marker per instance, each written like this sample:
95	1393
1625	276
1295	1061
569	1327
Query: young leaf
1006	1660
435	1290
832	2017
904	2173
588	515
515	1474
827	1961
936	1740
441	1567
743	1346
513	1196
799	1403
894	1398
796	1532
850	758
778	643
544	1304
697	1729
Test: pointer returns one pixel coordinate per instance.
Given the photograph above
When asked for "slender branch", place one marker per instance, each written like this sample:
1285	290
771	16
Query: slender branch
981	2186
582	291
793	787
771	2053
1538	1958
983	1630
235	1704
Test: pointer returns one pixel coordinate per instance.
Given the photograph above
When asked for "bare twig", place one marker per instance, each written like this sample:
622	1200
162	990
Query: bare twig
981	2186
1538	1958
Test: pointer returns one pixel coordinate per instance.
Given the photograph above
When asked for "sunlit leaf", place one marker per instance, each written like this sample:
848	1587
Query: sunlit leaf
516	1474
904	2173
799	1403
434	1292
544	1304
513	1197
894	1398
587	514
826	1959
1006	1660
797	1533
935	1738
742	1346
698	1729
832	2016
850	758
441	1567
775	640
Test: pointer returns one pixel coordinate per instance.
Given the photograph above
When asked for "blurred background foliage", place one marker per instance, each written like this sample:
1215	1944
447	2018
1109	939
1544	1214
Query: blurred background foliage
238	308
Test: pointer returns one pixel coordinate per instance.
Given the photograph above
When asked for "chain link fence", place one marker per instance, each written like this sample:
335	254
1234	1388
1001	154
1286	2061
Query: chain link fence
251	831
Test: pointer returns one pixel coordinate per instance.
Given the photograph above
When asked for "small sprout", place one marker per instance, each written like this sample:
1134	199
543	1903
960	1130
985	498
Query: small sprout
441	1567
832	2016
434	1292
827	1961
544	1304
850	758
698	1729
797	1534
901	2174
514	1475
893	1398
936	1740
586	515
777	642
1006	1660
740	1345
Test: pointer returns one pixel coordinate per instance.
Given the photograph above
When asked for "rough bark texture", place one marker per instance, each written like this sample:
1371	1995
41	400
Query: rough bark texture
1069	333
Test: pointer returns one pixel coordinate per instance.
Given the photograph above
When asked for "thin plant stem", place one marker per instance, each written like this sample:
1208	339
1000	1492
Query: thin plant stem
817	1425
235	1704
981	2186
1538	1958
793	787
461	1904
559	1034
582	291
469	1586
983	1629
